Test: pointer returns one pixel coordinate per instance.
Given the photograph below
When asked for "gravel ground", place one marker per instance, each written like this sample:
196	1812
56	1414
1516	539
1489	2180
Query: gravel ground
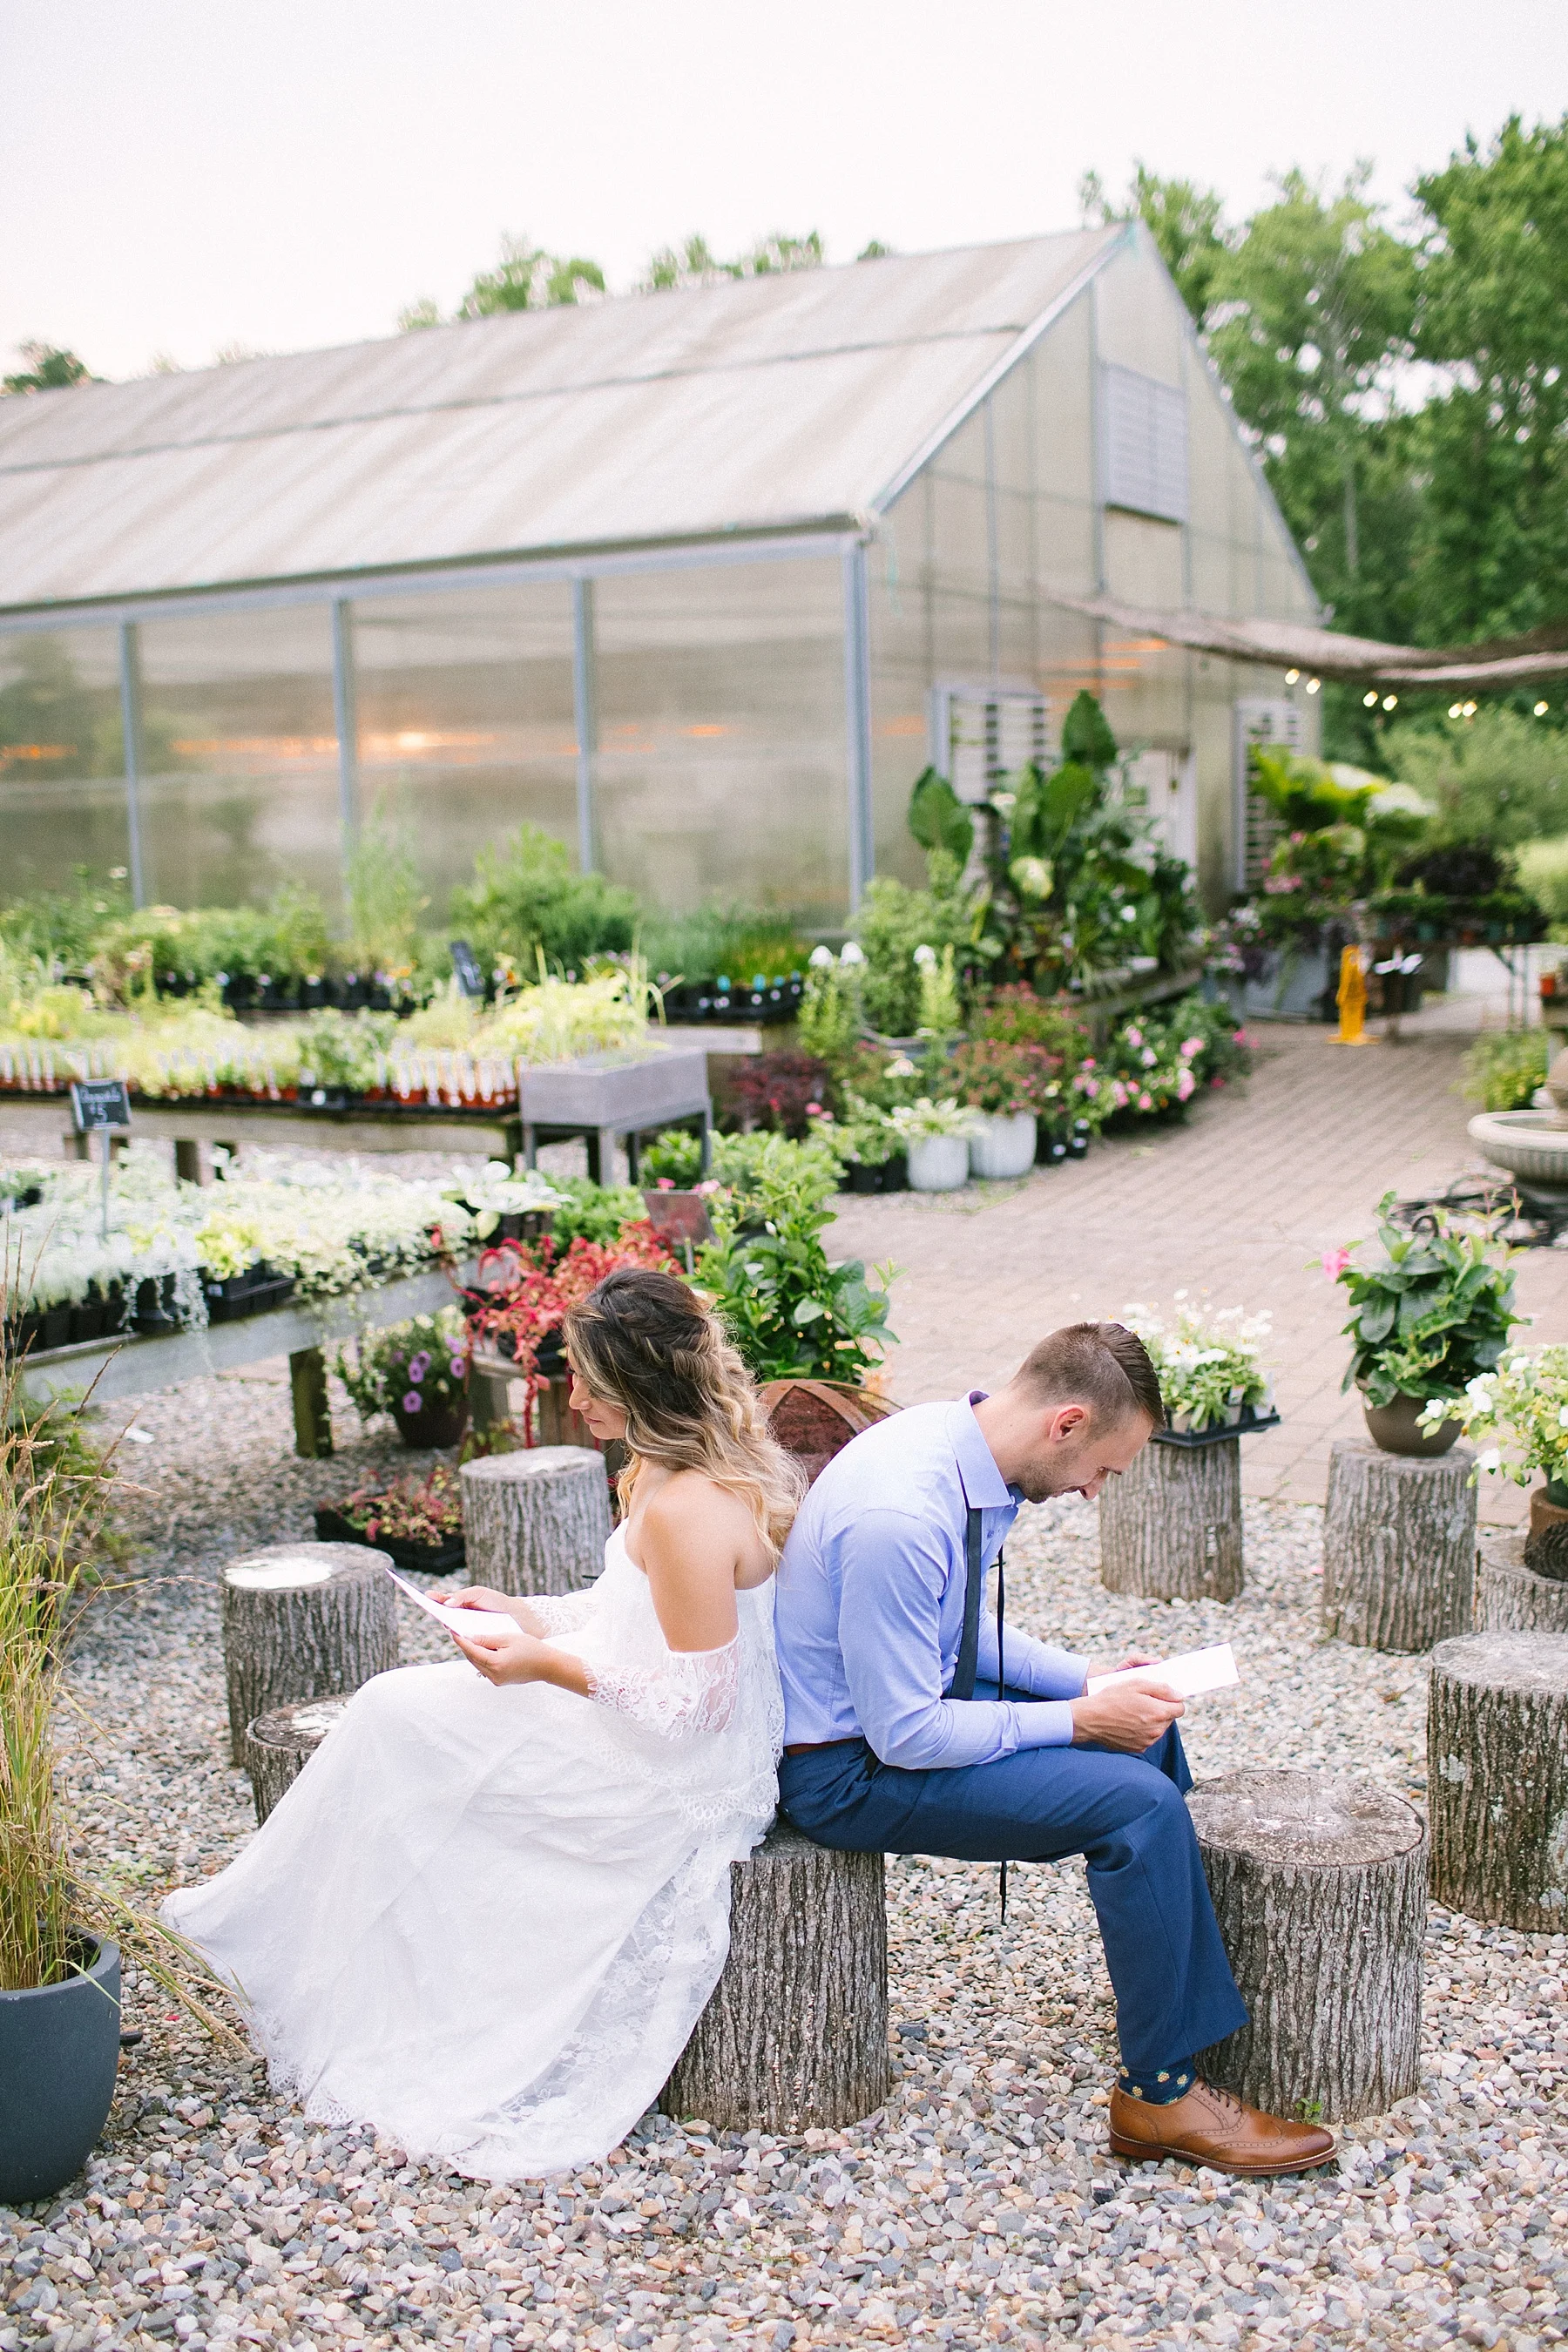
977	2209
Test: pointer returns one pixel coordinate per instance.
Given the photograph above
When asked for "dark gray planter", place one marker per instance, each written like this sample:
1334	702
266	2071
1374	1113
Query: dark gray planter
59	2050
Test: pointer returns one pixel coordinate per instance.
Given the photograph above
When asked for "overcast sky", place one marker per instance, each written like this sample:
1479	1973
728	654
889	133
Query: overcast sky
180	176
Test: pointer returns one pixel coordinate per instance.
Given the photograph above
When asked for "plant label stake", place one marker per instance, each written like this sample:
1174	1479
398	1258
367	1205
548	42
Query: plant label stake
103	1104
466	970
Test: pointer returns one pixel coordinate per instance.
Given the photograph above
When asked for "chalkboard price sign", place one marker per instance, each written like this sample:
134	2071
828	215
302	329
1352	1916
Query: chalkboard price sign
465	967
99	1102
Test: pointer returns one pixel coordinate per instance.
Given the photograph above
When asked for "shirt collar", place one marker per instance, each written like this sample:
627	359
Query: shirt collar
984	1488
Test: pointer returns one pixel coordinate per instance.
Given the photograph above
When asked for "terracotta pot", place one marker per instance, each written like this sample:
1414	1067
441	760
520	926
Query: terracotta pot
1392	1427
1546	1545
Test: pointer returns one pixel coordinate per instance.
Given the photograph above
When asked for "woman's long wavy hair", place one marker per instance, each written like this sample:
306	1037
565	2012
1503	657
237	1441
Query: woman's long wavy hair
643	1341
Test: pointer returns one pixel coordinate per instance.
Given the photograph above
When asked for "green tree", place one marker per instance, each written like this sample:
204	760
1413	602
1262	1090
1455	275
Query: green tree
1186	222
48	370
1494	316
526	278
695	262
1311	308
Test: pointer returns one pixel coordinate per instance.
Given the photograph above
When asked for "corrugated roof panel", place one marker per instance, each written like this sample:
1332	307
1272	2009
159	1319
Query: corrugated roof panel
768	404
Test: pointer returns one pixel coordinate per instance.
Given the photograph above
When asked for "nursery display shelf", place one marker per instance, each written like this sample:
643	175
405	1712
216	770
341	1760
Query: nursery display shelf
130	1365
1250	1421
366	1127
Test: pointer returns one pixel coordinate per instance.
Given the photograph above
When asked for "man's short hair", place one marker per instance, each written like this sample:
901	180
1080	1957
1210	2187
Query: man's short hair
1102	1365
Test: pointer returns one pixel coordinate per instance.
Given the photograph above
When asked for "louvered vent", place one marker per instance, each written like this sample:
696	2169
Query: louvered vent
1143	445
980	734
1258	828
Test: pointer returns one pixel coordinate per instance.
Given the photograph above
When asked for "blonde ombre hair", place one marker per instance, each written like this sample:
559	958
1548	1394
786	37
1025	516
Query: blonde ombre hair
644	1342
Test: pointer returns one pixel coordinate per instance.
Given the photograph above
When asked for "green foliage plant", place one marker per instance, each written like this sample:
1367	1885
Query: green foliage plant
890	922
1504	1066
939	819
828	1022
526	900
673	1158
1006	1080
383	899
1429	1315
1543	872
739	944
593	1213
1500	776
790	1312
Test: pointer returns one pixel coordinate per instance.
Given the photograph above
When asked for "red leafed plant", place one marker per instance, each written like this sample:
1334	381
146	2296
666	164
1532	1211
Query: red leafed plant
529	1287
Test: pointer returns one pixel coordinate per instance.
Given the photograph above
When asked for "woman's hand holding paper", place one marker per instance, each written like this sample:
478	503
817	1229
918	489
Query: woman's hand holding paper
482	1596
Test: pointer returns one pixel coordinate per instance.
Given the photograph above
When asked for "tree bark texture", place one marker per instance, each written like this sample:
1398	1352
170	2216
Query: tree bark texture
1496	1778
1510	1597
1170	1526
1399	1547
1320	1887
536	1520
304	1620
280	1743
312	1407
795	2035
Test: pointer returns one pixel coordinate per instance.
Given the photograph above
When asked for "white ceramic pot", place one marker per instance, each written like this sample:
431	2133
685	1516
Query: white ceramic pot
1004	1147
938	1163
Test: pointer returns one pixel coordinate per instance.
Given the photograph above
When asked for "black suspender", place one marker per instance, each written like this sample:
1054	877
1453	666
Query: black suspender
963	1684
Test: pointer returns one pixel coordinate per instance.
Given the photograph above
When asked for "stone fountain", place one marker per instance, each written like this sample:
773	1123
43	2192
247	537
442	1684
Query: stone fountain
1533	1145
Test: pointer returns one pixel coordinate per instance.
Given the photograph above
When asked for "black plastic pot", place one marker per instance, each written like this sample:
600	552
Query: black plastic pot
55	1328
59	2048
150	1317
889	1176
423	1559
86	1320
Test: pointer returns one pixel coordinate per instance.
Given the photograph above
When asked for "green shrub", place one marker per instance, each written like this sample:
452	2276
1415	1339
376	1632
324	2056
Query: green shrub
1504	1066
890	923
790	1313
1500	776
526	899
1543	871
593	1212
736	943
676	1154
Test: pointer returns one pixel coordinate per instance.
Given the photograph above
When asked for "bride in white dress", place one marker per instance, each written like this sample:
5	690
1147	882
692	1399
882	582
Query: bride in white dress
489	1913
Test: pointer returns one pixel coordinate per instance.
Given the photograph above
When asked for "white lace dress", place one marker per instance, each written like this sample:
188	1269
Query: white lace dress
487	1920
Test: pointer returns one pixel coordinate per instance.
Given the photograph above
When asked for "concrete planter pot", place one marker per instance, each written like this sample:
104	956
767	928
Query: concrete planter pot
59	2051
604	1096
1392	1427
938	1163
1004	1147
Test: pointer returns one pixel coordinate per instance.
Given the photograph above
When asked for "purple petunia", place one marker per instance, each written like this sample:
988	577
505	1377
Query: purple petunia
414	1401
419	1366
457	1368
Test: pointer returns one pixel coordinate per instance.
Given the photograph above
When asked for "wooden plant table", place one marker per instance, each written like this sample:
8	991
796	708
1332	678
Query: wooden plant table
128	1366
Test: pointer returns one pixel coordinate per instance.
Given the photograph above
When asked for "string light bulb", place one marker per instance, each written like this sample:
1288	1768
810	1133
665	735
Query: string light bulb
1542	708
1291	675
1390	702
1313	684
1454	709
1369	701
1467	710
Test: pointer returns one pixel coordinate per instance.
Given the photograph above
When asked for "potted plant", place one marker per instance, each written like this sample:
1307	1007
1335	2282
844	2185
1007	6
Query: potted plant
416	1372
1519	1412
936	1137
1207	1362
792	1313
1008	1085
417	1521
871	1148
1433	1313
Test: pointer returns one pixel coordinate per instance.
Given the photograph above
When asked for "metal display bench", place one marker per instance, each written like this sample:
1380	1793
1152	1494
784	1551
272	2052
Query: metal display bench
130	1366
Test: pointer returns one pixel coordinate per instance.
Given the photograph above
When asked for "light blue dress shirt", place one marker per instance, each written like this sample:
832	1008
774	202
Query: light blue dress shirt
869	1613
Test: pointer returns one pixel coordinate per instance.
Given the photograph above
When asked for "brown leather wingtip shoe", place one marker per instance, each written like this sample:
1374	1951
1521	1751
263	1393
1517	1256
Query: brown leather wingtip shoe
1213	2127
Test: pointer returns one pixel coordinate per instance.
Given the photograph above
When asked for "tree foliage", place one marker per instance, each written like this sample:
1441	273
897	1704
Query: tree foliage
47	370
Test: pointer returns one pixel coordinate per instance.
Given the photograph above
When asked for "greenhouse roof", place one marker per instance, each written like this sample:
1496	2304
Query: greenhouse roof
777	405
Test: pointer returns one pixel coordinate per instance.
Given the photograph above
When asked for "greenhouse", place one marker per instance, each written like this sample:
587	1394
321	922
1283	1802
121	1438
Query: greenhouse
699	582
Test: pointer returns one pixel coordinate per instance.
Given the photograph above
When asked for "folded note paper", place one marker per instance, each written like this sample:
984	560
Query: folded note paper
1189	1677
471	1621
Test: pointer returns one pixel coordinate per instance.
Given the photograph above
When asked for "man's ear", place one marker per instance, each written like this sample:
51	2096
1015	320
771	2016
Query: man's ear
1068	1420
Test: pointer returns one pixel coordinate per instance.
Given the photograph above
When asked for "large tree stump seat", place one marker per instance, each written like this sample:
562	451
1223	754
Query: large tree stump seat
1399	1545
795	2035
304	1620
280	1743
1496	1778
1320	1887
536	1520
1510	1597
1170	1526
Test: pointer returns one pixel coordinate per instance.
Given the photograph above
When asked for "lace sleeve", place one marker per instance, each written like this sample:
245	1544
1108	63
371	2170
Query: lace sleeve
687	1692
562	1612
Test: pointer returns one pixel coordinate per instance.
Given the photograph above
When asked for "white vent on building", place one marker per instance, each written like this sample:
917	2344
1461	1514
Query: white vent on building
1257	826
1143	445
981	733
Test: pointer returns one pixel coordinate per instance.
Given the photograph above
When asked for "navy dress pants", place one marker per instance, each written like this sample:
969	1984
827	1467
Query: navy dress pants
1175	1991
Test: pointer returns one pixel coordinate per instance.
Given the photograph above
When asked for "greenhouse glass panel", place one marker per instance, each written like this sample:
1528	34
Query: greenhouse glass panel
1060	365
62	771
1137	323
239	755
466	720
721	766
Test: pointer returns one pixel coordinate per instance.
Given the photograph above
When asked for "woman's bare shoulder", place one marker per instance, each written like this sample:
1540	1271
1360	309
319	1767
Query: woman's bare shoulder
688	1505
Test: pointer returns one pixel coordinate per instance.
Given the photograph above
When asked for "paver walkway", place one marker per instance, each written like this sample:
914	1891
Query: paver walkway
1240	1202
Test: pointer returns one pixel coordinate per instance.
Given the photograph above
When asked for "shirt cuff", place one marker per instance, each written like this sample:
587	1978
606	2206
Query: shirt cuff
1057	1674
1045	1722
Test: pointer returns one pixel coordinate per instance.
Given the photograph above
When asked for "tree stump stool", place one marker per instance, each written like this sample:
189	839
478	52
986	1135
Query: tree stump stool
1399	1545
1496	1778
304	1620
1170	1526
536	1520
1510	1597
280	1743
1320	1887
795	2035
815	1420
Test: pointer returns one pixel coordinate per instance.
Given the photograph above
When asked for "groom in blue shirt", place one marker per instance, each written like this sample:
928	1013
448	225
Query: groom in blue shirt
900	1739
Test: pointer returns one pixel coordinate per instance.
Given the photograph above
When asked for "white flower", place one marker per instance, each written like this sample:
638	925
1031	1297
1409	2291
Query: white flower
820	958
1491	1459
926	958
851	953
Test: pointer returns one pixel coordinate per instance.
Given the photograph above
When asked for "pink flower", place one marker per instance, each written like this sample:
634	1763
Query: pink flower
1144	1103
1335	1262
708	1188
414	1401
813	1110
665	1184
1134	1037
1190	1046
1186	1085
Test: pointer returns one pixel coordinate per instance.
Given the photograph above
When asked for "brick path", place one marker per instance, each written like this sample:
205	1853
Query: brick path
1234	1203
